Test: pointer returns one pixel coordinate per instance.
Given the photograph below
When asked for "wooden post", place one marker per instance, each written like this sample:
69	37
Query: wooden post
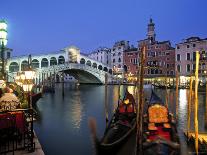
177	99
106	99
189	104
206	104
196	101
118	93
137	91
63	92
141	103
166	92
137	107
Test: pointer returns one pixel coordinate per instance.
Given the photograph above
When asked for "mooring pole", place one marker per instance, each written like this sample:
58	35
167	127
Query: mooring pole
177	99
189	104
106	99
206	104
63	92
166	92
196	101
141	103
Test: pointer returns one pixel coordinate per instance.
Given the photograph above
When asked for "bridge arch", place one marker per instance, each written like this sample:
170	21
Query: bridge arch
44	62
35	64
14	67
24	65
61	60
82	61
88	63
100	67
53	61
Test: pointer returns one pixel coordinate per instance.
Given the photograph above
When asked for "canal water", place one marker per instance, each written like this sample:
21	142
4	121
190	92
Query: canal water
62	124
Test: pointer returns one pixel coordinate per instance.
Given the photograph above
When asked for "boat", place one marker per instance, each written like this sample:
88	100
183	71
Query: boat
160	134
121	125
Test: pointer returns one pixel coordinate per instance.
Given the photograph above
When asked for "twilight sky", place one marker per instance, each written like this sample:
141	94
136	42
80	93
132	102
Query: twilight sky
43	26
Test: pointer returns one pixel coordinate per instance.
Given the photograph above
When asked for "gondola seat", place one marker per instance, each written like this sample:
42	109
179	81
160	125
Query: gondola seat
167	125
158	114
152	127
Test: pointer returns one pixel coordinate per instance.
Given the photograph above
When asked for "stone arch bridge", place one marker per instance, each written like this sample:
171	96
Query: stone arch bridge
68	61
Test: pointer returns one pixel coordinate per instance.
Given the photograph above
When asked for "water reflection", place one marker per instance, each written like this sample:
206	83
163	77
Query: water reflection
64	122
182	107
76	111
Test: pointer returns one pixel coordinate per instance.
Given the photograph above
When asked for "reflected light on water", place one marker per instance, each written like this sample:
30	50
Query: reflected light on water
183	99
115	97
77	112
182	107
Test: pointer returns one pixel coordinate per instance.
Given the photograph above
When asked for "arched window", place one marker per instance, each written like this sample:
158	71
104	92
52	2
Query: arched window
119	59
100	67
35	63
94	65
125	68
188	68
113	60
178	68
105	69
88	63
53	61
82	61
44	62
61	60
14	67
110	71
24	65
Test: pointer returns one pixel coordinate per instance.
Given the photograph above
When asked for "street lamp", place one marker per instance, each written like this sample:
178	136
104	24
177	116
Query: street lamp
3	43
25	80
27	84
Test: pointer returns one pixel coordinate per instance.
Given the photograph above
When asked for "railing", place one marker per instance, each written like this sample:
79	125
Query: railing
16	130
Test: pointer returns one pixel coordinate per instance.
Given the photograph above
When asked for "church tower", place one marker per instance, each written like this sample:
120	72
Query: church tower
151	31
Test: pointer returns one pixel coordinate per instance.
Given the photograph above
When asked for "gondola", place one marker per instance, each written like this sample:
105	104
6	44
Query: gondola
122	124
159	129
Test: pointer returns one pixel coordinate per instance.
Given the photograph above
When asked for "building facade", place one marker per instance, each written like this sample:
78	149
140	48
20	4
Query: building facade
117	57
102	54
131	64
159	56
186	55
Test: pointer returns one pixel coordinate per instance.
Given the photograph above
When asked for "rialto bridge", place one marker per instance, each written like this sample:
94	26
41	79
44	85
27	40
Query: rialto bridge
67	61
